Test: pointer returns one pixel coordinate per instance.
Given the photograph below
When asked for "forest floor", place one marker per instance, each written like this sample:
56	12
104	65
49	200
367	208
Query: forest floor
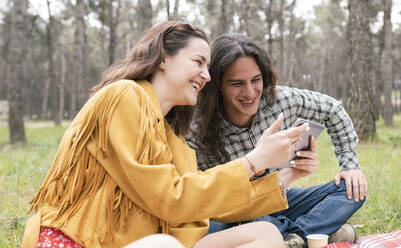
23	167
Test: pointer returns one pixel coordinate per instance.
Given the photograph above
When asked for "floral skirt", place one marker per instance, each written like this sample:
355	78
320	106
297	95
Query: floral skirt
51	237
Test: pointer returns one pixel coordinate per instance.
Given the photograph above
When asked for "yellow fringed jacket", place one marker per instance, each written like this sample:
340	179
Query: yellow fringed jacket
121	173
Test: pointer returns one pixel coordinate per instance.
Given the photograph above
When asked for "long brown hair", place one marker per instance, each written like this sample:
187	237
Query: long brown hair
166	38
225	50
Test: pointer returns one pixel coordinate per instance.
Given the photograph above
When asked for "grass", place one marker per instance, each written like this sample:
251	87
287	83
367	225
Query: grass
23	167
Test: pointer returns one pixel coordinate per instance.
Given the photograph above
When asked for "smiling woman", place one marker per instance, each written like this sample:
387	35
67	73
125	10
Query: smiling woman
179	78
123	171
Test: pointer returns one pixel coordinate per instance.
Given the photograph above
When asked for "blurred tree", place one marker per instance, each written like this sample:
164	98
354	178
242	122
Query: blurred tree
36	65
387	64
15	62
62	79
99	8
397	67
219	16
4	40
223	20
310	49
50	91
361	102
113	21
326	39
144	15
269	22
79	89
281	37
375	9
290	51
244	14
174	16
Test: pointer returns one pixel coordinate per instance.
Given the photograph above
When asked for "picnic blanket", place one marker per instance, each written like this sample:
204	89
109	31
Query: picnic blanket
387	240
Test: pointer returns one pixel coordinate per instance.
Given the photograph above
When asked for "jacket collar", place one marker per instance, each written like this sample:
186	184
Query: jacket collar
150	90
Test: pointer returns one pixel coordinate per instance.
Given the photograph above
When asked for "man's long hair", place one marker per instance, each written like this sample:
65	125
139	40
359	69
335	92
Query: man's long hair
225	50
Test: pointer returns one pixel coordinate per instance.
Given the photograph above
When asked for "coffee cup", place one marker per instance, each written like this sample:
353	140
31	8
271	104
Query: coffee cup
317	240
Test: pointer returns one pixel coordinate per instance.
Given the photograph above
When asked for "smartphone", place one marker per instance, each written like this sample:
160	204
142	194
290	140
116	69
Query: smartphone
314	130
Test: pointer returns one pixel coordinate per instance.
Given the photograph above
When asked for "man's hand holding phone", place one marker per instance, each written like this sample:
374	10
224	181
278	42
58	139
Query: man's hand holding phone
306	163
304	143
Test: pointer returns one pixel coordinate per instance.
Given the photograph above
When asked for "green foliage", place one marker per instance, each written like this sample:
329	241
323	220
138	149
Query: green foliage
395	140
23	167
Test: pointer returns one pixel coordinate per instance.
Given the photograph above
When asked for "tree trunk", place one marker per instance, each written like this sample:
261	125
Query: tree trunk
63	75
281	39
347	73
387	64
245	17
222	26
269	20
168	10
102	36
112	32
45	98
175	13
144	15
398	101
322	71
290	49
114	19
379	77
361	101
54	99
330	82
15	73
78	94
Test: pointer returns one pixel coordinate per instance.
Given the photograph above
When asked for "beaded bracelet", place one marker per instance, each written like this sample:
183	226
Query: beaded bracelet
283	189
252	166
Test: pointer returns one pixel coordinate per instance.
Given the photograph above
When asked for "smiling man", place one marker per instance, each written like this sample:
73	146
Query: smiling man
241	101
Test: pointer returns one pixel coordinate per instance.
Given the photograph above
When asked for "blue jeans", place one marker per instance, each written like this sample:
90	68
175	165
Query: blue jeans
319	209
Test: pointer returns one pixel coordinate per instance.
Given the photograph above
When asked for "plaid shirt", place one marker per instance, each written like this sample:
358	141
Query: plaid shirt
293	103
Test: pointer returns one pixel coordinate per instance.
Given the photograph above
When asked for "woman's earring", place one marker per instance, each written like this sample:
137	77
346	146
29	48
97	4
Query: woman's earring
161	65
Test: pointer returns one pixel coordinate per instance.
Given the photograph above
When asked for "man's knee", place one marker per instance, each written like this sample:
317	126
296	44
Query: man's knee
342	188
360	202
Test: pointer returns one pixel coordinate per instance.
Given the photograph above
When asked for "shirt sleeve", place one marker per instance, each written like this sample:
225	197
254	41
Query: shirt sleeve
159	188
324	109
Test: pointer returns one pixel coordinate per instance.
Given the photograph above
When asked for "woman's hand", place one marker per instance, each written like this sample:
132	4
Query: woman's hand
306	163
275	147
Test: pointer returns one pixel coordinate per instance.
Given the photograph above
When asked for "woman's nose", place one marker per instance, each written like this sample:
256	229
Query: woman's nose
205	75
